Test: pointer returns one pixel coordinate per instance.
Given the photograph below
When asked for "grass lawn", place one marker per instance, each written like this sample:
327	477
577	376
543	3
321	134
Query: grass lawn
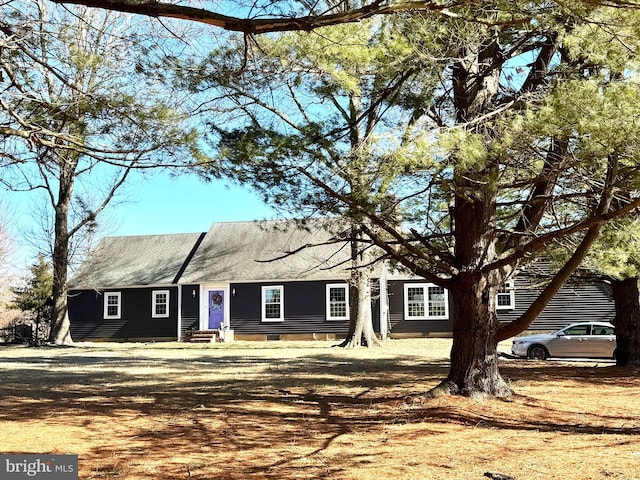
308	411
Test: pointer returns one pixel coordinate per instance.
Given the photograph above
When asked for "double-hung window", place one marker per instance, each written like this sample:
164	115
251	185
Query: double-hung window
337	301
506	297
160	304
112	305
425	301
273	304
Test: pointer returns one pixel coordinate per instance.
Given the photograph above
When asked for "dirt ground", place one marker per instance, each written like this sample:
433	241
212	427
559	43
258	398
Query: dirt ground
309	411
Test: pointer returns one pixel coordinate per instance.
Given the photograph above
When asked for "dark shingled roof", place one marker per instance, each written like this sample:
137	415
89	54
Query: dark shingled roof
135	261
239	251
228	252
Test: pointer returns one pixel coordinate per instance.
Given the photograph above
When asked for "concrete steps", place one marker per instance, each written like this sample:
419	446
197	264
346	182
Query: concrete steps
204	336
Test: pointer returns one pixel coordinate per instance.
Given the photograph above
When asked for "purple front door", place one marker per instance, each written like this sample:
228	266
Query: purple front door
216	309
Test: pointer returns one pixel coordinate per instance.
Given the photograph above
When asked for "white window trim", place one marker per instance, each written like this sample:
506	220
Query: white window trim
154	303
426	316
511	291
108	295
264	305
344	286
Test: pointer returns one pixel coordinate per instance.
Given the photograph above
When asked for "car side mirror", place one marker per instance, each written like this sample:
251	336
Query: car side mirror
560	334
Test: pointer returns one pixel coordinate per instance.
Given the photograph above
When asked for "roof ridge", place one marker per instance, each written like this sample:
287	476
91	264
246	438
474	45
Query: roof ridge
153	235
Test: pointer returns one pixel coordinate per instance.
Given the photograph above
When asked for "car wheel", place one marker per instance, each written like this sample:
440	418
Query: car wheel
538	352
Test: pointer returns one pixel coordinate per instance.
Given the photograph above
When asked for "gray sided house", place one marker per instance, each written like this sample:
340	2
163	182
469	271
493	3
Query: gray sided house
237	279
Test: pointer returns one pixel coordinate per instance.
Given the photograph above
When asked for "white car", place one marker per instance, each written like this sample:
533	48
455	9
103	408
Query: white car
587	339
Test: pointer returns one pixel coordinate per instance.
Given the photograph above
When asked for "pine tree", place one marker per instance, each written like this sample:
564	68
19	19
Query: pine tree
35	296
494	141
525	138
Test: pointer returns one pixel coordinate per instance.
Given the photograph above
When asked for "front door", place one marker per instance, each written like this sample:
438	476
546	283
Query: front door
216	309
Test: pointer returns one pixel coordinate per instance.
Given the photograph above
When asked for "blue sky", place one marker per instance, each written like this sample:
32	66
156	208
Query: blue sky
154	204
181	204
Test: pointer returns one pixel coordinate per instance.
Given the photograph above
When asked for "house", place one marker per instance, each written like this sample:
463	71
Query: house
235	277
241	279
129	287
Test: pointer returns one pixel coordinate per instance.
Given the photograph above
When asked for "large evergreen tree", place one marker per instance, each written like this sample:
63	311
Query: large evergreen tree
334	97
493	142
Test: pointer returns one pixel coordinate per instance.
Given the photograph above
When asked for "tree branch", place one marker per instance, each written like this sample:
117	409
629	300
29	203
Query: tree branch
264	25
522	323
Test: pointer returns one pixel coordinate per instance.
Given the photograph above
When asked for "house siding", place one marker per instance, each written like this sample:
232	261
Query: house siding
190	309
578	300
86	311
304	310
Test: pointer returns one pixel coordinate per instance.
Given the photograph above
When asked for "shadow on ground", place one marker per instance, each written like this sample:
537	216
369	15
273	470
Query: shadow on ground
236	416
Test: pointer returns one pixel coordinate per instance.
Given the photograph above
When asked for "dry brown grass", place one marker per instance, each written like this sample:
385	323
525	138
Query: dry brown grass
308	411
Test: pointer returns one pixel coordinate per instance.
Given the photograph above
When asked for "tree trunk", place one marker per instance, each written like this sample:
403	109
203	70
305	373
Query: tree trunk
361	330
474	359
626	294
60	325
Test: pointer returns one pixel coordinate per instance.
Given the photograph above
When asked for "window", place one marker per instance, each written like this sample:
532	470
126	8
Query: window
425	301
112	305
160	304
578	330
506	297
338	301
273	304
602	330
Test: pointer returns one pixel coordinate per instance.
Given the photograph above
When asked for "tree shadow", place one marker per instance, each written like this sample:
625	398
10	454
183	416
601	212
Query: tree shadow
595	371
246	416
